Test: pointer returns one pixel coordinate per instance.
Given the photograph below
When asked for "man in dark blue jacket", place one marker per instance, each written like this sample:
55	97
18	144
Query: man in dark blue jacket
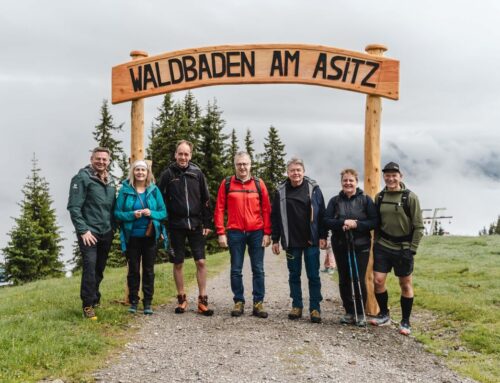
297	219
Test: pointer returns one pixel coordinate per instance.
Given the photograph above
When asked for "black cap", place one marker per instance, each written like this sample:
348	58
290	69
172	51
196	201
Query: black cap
391	167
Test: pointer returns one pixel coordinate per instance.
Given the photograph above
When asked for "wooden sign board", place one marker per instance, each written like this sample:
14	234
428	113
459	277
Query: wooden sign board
256	64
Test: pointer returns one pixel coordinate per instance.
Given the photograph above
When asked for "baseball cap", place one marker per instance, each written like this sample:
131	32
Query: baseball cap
391	167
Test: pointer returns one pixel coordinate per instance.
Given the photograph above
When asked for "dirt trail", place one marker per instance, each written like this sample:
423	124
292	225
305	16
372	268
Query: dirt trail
192	348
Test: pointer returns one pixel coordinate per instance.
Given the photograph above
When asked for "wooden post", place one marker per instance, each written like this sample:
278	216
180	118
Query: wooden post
136	135
372	167
137	118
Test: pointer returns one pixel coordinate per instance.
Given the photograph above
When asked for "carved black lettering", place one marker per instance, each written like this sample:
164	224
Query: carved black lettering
346	69
136	80
250	65
222	59
277	64
158	75
320	66
290	58
171	69
336	69
231	63
149	77
189	65
357	63
204	66
374	66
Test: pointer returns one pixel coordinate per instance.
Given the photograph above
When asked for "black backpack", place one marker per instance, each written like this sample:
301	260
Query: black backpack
405	204
257	186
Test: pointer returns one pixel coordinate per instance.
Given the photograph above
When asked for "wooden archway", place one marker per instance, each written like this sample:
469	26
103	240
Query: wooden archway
369	73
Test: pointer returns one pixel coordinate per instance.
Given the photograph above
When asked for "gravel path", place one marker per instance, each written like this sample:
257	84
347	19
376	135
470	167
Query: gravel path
192	348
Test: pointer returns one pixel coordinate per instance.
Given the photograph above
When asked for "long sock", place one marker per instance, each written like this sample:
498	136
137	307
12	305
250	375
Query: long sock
406	305
382	299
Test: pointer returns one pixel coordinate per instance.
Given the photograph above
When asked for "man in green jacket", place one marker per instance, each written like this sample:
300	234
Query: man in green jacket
396	242
91	203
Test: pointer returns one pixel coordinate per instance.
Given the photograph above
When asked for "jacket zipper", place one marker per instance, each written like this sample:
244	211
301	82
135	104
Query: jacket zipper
187	202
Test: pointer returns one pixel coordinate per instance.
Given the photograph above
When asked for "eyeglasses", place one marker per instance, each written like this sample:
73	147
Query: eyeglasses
243	164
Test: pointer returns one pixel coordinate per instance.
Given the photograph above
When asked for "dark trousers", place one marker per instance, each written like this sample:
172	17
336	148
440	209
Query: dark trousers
94	259
141	248
362	255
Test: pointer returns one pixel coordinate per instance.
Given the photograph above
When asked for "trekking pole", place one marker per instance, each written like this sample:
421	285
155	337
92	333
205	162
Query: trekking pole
351	237
353	293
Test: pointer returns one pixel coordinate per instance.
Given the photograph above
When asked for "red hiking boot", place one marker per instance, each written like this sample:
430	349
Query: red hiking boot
203	306
181	304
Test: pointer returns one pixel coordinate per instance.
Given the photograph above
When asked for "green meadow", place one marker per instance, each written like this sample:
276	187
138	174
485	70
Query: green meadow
43	334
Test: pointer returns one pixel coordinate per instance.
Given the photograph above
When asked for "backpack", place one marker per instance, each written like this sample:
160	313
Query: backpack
405	204
227	184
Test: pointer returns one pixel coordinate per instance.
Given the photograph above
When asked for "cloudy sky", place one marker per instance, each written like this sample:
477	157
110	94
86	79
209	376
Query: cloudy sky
55	71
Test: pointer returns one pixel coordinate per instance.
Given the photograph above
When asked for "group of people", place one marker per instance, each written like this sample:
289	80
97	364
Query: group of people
294	220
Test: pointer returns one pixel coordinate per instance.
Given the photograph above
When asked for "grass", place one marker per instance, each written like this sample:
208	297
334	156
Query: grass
458	280
43	335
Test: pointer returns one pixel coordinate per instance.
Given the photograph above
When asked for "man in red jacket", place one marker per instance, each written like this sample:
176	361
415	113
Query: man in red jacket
248	224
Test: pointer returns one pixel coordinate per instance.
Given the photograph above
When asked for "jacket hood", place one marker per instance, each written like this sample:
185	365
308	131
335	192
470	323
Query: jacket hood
403	187
91	173
191	166
127	188
358	192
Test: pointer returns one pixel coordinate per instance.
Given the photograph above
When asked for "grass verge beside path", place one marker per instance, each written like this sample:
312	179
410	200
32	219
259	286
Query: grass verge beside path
458	279
43	334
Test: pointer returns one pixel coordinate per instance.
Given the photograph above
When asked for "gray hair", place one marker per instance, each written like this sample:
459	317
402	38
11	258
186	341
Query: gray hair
295	161
242	154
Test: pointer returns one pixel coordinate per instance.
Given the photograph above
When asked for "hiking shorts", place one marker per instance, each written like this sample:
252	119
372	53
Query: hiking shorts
196	242
384	259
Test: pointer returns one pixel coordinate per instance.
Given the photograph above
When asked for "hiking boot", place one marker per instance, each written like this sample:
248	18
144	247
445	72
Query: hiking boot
258	310
148	310
347	319
89	313
181	304
405	328
361	322
315	316
381	320
331	271
295	313
203	306
133	308
238	309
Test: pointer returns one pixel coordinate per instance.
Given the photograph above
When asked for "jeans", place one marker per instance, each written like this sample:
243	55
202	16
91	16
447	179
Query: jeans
237	242
345	286
294	263
94	260
137	248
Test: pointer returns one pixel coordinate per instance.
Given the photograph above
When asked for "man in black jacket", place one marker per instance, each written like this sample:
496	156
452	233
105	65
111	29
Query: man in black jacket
185	192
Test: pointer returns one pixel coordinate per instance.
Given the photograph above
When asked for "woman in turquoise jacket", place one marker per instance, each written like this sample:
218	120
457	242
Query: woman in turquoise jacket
140	210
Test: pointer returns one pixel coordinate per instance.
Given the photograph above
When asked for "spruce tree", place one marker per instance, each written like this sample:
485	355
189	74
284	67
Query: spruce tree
34	248
231	153
191	129
273	161
255	159
104	135
162	136
212	148
497	226
212	162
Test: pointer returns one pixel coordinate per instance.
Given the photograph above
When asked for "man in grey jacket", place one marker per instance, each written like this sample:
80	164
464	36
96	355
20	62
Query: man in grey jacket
297	219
